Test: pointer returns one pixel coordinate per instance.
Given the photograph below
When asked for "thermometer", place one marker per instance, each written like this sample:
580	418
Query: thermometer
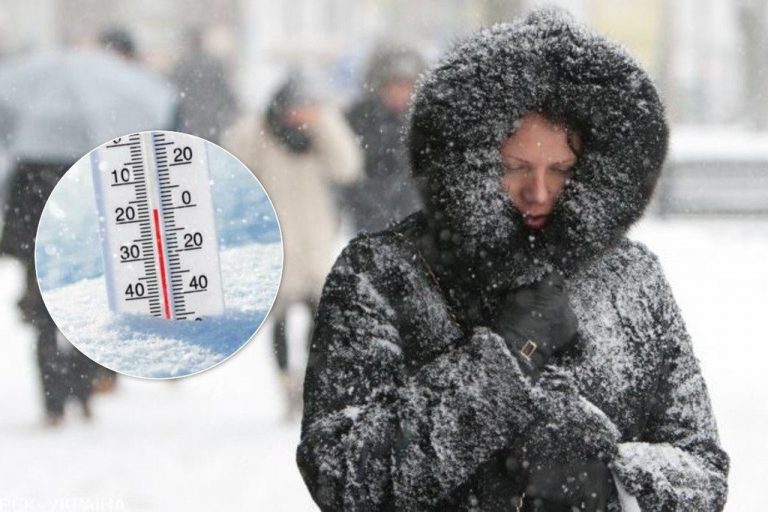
157	228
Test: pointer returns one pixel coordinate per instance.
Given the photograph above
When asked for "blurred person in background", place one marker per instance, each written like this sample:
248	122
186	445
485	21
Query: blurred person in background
207	104
386	191
54	120
65	372
300	149
119	41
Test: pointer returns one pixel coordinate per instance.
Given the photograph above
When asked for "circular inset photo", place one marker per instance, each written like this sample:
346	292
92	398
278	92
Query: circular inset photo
159	254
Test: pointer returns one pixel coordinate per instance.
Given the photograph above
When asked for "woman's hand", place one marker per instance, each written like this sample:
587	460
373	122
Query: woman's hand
571	427
570	431
536	321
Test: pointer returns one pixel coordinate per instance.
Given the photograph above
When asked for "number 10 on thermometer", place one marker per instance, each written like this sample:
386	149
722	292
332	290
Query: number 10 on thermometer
157	227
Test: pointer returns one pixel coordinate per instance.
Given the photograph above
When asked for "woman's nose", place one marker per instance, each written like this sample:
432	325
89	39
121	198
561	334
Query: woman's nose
535	190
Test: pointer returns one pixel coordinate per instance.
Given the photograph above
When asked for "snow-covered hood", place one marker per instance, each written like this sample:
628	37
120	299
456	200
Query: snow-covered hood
467	104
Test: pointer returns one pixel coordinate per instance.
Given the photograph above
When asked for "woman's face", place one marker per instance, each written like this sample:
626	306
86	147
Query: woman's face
537	160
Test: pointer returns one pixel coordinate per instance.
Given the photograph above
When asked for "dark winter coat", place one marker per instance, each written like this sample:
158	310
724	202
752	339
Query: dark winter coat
412	402
386	192
207	104
30	185
64	370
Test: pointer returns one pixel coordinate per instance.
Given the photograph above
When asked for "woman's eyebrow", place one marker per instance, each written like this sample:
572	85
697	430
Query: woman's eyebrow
507	155
562	162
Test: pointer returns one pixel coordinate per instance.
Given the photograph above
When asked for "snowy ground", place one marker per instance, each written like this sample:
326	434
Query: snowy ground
215	441
150	347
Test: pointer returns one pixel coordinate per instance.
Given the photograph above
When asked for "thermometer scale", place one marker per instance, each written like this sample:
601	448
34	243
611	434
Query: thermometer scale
156	221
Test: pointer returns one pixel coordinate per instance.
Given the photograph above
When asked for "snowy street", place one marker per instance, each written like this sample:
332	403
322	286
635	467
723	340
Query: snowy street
215	441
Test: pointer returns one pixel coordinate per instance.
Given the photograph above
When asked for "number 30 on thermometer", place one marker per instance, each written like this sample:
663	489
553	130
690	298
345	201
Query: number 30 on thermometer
157	227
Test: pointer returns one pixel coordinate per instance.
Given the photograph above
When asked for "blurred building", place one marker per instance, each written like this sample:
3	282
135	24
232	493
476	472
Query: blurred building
709	57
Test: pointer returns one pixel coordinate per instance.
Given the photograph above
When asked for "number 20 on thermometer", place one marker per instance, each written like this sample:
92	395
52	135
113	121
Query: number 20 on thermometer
157	227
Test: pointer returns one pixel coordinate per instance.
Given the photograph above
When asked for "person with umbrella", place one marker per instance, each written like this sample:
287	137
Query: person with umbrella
62	104
509	348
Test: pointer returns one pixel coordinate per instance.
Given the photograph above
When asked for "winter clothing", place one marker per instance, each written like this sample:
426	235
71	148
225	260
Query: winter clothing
279	338
207	104
412	402
31	184
536	321
293	93
64	371
391	61
299	186
587	484
387	192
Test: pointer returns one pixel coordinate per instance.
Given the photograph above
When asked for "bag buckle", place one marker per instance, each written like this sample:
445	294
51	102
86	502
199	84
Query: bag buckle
528	349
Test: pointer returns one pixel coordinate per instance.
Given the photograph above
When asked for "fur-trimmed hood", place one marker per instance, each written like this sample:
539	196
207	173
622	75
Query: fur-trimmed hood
467	105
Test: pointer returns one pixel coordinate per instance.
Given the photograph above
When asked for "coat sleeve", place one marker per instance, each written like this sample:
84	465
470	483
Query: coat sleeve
246	140
679	464
240	139
376	436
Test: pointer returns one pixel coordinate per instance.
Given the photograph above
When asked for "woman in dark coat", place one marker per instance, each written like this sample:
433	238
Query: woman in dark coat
499	352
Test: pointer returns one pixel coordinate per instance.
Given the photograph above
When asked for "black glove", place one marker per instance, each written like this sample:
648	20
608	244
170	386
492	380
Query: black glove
570	430
583	486
536	321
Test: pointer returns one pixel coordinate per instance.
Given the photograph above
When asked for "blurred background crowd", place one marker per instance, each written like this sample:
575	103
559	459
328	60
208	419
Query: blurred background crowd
312	96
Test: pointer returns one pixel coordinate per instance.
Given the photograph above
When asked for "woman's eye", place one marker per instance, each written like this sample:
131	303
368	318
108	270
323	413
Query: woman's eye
566	171
514	168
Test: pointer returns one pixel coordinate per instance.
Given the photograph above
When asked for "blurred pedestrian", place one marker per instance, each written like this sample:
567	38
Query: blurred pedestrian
207	104
386	191
63	103
64	370
299	150
119	41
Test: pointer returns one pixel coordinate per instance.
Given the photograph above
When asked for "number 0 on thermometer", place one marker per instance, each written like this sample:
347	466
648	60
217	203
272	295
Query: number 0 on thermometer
157	226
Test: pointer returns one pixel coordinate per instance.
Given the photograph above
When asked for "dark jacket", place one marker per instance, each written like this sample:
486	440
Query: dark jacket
412	401
30	185
207	104
386	192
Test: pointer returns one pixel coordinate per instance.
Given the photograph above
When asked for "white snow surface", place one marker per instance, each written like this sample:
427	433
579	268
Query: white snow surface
215	441
150	347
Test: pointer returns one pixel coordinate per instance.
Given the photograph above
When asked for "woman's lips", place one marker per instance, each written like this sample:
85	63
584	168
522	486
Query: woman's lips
535	221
